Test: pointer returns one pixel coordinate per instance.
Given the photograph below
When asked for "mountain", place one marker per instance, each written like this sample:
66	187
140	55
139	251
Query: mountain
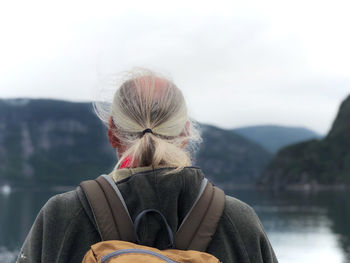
229	157
273	137
50	142
321	163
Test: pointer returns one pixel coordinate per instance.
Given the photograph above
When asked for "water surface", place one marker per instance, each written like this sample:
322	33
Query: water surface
302	226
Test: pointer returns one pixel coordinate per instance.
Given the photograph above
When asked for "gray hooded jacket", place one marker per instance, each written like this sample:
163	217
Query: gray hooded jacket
65	229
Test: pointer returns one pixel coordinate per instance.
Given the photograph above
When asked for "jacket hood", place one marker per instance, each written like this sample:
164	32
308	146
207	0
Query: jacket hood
171	194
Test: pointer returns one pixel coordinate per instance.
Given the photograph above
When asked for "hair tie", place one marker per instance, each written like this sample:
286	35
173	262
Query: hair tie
147	130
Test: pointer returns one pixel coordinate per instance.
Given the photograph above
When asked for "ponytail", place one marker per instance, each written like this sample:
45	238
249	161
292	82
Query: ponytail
150	114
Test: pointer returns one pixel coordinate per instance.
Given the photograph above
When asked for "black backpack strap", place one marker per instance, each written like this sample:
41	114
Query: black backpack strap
165	222
109	209
200	223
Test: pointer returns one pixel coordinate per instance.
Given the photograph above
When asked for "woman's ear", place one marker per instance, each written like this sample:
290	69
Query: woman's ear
186	131
112	131
187	128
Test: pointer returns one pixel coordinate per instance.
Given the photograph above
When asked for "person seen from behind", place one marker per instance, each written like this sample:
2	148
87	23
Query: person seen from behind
149	126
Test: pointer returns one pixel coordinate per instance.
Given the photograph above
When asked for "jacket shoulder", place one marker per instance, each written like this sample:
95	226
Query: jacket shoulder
241	215
60	225
244	225
64	205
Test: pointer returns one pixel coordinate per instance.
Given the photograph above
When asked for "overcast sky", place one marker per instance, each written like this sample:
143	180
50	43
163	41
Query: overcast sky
238	63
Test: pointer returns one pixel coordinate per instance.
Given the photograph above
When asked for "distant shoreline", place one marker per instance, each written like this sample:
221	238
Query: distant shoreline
228	187
306	187
291	188
42	188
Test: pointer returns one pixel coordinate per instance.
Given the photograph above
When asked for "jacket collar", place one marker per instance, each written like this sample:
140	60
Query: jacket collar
121	174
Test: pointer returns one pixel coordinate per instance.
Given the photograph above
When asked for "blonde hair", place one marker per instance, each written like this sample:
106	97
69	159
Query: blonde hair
146	100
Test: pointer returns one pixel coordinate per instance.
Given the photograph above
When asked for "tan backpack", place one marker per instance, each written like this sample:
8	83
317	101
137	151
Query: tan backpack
119	234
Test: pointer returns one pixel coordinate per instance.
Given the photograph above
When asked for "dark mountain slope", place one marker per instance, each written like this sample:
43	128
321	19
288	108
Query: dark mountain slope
317	162
51	142
230	157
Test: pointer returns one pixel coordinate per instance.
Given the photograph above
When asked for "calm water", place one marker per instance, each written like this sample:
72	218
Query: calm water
302	227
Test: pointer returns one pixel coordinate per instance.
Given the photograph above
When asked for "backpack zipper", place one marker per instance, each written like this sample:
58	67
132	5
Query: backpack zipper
136	251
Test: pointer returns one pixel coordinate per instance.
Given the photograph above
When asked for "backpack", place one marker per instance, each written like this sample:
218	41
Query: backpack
120	242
